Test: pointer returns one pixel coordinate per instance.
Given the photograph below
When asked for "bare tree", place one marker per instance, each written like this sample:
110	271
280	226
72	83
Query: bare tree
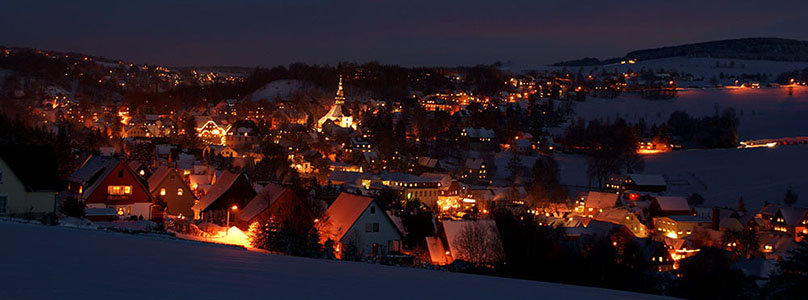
478	243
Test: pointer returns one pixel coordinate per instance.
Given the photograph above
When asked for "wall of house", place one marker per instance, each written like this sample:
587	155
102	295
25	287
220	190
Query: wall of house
364	240
126	211
20	201
177	204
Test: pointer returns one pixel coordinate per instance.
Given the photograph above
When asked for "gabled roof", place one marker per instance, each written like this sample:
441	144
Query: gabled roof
669	203
343	213
35	166
93	171
263	200
222	185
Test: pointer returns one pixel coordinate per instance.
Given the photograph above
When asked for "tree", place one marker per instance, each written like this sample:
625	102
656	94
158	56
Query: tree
695	199
707	275
791	277
791	197
478	243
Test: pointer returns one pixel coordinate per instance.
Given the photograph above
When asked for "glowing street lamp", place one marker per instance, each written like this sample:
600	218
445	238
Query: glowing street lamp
227	226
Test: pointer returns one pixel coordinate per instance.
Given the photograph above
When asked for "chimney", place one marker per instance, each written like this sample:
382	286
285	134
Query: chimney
716	217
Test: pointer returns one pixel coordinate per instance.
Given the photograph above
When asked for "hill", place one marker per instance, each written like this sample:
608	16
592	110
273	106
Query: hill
775	49
58	263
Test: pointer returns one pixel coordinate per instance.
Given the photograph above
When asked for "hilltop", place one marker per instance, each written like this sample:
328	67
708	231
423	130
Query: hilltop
775	49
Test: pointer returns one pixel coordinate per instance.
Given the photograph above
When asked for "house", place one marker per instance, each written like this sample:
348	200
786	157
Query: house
106	182
594	202
667	205
637	182
278	203
359	227
230	190
790	220
168	185
243	134
681	225
28	180
480	139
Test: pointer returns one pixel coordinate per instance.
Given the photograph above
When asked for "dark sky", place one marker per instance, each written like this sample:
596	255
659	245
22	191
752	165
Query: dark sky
411	33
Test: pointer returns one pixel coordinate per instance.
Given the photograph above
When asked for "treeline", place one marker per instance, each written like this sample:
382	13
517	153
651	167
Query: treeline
717	131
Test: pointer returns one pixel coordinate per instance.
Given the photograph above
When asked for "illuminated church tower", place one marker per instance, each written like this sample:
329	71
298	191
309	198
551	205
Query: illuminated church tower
339	114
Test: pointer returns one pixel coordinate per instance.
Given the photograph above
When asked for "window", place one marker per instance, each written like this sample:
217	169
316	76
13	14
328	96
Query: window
371	227
1	177
119	190
3	204
372	209
179	192
120	173
162	191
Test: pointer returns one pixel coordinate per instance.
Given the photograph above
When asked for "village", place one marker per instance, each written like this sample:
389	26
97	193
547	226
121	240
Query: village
456	171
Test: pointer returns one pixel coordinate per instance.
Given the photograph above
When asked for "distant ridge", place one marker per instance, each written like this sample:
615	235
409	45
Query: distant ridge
748	48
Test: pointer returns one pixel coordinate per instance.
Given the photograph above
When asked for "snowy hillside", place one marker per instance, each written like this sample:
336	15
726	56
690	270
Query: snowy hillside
767	112
279	89
706	67
62	263
720	175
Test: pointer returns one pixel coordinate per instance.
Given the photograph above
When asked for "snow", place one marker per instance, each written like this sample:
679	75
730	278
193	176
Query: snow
767	112
279	88
721	176
42	262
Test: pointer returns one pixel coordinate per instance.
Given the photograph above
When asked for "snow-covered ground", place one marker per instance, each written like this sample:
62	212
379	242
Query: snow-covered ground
721	176
767	112
40	262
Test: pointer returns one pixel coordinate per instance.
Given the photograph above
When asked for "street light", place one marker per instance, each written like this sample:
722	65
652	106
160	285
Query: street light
227	226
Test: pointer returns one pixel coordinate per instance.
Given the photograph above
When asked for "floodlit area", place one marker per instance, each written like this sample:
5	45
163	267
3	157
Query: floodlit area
61	263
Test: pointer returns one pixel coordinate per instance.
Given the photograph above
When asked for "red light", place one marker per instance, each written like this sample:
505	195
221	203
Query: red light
633	197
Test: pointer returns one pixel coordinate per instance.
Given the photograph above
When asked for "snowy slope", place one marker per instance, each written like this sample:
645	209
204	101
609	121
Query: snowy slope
721	176
767	112
282	89
62	263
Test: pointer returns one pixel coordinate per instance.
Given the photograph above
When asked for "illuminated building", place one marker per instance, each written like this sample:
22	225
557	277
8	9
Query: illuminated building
338	113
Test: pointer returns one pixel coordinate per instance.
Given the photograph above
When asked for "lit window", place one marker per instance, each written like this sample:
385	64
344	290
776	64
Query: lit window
179	192
162	191
119	190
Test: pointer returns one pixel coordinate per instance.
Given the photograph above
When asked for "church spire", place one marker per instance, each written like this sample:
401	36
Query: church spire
340	98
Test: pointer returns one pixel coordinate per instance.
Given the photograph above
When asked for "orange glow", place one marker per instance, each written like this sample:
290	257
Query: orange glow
234	207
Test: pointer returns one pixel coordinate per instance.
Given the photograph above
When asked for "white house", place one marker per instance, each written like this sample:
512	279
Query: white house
358	224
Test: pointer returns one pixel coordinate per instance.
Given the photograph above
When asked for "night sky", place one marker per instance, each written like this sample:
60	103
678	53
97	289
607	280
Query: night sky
410	33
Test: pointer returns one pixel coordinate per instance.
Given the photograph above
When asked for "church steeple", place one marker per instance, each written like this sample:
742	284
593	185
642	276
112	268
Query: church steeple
340	98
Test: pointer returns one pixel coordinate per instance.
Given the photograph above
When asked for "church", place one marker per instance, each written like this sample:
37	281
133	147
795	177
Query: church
339	114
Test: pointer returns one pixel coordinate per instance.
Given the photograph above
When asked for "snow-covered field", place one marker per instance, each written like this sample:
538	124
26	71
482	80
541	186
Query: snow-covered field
40	262
767	112
721	176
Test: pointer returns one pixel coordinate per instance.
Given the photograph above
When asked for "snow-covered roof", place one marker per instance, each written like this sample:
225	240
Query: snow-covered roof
263	200
343	213
480	132
647	180
223	183
600	200
670	203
